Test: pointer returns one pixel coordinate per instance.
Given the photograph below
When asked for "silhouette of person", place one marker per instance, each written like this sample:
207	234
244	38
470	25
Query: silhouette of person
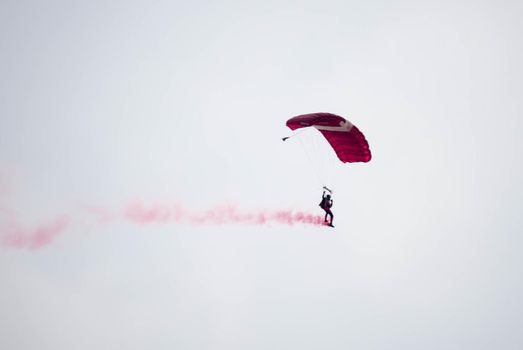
326	204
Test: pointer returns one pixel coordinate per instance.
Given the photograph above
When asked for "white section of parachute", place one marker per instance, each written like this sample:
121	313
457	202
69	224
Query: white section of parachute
344	127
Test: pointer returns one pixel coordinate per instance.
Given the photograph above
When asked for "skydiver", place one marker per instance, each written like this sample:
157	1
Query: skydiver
326	204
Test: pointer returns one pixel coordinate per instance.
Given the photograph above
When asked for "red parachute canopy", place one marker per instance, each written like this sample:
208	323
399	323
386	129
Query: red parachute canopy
347	141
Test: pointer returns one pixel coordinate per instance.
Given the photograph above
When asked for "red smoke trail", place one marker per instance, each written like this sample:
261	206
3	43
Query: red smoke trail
16	235
225	214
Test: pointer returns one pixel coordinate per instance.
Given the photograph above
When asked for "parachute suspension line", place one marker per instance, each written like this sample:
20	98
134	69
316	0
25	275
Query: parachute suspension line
318	155
322	158
327	159
310	159
313	164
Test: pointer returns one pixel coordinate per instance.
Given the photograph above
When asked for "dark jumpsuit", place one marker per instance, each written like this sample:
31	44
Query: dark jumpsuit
326	205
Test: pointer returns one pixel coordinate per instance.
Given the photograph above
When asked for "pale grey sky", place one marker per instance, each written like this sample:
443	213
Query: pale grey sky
165	101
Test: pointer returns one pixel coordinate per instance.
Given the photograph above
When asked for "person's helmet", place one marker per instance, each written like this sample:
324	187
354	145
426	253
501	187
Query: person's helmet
328	196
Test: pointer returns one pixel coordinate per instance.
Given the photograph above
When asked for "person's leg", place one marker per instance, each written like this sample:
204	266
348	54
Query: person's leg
329	212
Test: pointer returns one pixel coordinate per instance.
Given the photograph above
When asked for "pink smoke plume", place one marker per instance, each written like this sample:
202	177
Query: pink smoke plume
16	235
225	214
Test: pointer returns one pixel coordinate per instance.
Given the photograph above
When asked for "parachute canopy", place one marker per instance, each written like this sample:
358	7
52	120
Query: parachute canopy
346	139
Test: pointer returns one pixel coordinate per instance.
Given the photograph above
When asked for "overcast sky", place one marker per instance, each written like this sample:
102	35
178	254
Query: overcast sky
185	102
